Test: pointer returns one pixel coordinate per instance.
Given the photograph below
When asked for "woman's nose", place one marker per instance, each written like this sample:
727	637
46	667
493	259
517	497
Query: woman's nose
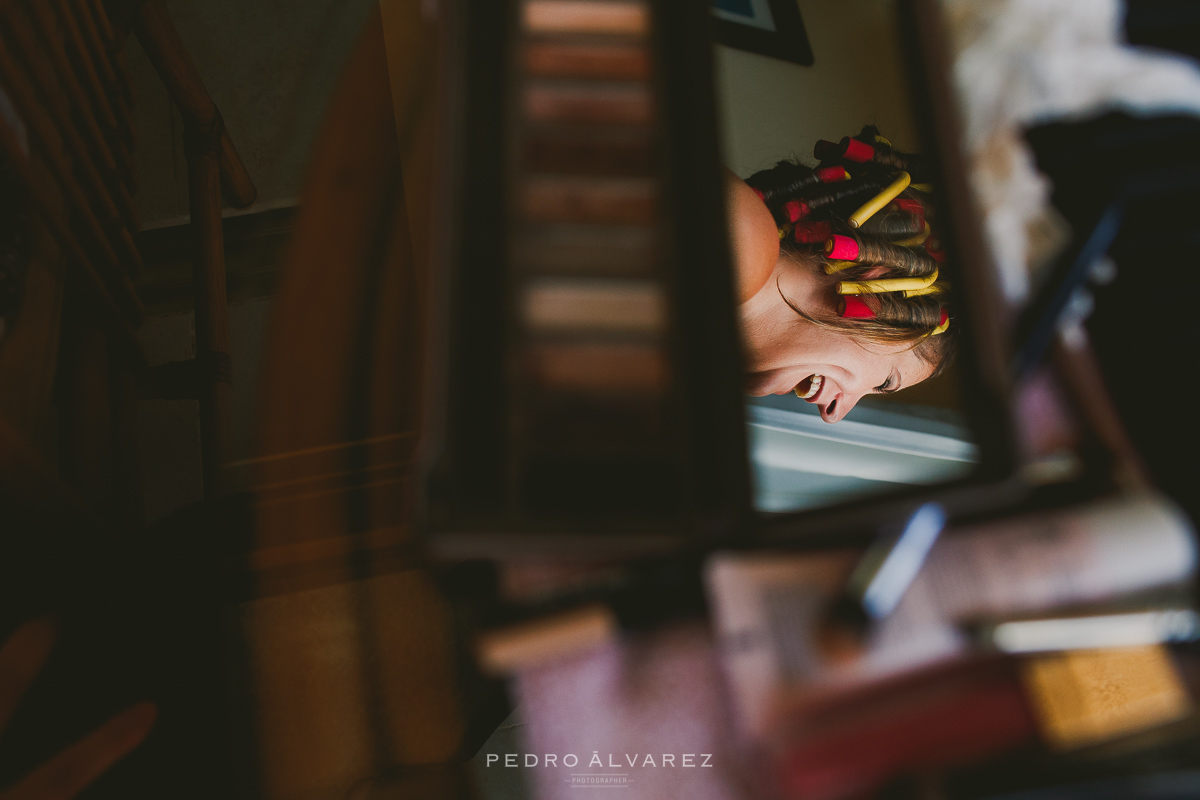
839	406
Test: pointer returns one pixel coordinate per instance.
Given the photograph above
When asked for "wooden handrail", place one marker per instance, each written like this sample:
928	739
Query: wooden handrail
211	309
170	58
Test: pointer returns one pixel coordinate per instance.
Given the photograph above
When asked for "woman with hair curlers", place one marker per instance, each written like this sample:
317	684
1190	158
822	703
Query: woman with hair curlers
840	275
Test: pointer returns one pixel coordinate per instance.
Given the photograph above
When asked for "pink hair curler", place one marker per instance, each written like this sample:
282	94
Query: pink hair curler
842	248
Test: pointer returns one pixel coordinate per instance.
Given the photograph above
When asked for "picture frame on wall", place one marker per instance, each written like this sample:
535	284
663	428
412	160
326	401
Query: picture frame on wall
768	27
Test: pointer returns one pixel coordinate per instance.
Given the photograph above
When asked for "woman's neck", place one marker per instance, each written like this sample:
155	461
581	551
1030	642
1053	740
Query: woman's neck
769	318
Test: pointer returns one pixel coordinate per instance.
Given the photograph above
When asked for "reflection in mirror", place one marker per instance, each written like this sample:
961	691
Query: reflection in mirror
844	289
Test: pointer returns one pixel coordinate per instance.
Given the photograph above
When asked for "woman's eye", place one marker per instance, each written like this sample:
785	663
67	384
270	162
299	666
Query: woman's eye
885	387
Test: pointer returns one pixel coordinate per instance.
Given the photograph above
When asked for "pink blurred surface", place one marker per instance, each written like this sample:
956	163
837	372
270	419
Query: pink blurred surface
645	695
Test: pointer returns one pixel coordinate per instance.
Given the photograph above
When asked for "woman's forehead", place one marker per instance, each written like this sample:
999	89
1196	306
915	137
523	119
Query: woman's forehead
914	368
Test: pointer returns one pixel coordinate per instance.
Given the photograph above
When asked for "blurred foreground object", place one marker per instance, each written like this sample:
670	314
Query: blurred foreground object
67	774
1094	695
358	682
1099	630
917	696
1024	62
1153	246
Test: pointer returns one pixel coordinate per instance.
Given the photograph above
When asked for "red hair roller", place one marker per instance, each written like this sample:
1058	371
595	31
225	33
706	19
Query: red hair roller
796	210
909	207
842	248
854	308
832	174
854	150
934	248
824	149
760	194
811	232
943	318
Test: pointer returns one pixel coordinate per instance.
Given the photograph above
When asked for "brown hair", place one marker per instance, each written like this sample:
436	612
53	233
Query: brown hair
893	243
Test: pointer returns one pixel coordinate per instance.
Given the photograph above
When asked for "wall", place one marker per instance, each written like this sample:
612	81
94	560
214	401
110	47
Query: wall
771	109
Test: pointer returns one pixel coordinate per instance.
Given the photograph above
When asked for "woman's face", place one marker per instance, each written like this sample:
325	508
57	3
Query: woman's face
833	369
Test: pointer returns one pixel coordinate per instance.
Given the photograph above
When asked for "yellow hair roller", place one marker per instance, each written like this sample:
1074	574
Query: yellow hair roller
837	266
872	206
886	285
934	289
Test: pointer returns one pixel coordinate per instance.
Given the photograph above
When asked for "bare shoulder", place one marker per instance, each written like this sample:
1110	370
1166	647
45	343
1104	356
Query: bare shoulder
753	237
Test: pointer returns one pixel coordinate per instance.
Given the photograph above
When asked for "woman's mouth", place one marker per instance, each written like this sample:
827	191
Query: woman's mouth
809	387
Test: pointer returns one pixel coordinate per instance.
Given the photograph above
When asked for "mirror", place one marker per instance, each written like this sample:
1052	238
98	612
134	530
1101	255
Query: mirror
587	288
804	312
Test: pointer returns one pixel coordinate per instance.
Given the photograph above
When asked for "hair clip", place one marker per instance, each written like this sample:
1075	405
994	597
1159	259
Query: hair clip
943	324
855	150
832	174
886	285
853	307
872	206
842	248
811	232
927	188
882	140
796	210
